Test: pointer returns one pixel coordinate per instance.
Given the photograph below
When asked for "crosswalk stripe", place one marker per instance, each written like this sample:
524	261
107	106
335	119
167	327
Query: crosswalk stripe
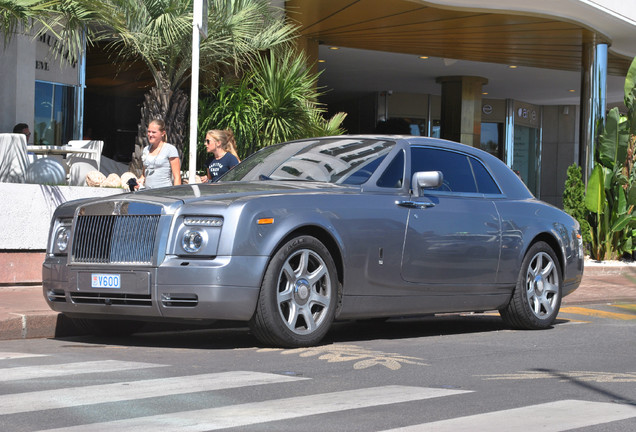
272	410
47	371
14	355
130	390
548	417
596	313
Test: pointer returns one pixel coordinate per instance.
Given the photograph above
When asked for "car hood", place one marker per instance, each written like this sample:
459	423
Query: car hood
230	191
223	194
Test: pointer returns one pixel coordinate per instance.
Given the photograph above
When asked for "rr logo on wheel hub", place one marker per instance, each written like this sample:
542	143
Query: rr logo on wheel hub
301	290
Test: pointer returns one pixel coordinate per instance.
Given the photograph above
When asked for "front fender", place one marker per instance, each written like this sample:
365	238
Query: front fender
260	231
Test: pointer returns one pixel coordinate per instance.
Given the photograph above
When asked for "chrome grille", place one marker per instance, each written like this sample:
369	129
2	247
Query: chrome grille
107	239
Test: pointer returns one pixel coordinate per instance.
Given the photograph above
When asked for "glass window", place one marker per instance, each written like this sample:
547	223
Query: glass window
436	129
455	167
485	183
405	126
54	113
491	139
393	176
340	160
526	157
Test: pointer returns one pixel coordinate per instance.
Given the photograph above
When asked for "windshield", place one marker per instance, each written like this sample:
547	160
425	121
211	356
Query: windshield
339	160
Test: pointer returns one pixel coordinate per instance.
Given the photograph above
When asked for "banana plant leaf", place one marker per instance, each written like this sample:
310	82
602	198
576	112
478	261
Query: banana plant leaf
612	143
595	195
630	87
622	223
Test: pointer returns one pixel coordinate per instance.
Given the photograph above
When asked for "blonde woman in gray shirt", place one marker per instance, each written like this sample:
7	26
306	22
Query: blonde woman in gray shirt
162	166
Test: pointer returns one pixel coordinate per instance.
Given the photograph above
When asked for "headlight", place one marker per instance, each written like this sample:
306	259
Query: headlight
61	236
61	239
193	241
196	236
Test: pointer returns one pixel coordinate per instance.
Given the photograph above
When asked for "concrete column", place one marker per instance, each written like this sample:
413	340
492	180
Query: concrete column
461	108
17	90
593	100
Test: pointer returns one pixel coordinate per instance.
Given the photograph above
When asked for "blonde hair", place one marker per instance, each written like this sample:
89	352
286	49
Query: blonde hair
226	138
231	143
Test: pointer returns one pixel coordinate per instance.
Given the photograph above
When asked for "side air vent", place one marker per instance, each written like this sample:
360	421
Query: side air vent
179	300
56	296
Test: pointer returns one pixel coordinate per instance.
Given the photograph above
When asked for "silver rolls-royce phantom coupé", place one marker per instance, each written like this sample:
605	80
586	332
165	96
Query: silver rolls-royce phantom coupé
307	232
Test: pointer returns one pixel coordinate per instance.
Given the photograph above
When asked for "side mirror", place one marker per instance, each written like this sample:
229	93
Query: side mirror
426	179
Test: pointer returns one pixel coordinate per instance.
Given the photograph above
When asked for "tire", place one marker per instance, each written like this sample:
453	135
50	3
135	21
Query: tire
536	299
99	327
298	297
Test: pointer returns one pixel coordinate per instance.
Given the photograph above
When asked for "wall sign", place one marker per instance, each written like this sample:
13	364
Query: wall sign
526	114
52	61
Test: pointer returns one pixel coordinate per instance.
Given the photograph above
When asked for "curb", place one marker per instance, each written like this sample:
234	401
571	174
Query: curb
34	325
595	270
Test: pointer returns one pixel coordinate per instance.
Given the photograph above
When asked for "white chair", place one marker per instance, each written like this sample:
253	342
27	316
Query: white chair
79	170
13	158
95	145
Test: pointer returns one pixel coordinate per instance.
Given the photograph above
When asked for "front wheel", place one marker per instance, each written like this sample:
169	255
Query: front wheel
298	297
536	299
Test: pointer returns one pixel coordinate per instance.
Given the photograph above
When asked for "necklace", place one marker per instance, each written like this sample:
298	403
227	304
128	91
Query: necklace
152	158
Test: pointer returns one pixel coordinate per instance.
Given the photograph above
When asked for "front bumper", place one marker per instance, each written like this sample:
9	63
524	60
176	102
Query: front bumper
225	288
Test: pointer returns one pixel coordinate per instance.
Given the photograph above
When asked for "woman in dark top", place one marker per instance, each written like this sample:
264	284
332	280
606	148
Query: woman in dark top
221	161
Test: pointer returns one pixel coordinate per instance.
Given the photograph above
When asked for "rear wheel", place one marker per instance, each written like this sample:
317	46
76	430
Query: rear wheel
99	327
298	297
536	300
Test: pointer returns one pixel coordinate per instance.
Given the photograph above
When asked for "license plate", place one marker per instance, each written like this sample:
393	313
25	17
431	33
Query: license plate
99	280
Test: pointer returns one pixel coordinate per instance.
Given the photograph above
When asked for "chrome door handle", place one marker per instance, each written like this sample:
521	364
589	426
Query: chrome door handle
415	205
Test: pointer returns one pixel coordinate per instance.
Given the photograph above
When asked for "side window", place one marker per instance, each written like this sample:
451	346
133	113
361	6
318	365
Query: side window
485	183
362	173
393	176
458	175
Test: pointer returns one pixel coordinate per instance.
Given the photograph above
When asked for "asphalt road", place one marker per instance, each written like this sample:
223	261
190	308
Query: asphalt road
447	373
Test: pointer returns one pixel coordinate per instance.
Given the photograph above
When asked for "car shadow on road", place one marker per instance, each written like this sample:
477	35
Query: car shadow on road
234	335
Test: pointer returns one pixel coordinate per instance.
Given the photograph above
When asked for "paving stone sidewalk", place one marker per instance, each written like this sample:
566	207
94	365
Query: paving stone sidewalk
24	313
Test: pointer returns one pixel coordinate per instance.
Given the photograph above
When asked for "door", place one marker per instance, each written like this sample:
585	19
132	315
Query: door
453	239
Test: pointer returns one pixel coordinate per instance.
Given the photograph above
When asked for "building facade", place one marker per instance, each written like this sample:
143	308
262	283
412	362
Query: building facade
526	81
41	87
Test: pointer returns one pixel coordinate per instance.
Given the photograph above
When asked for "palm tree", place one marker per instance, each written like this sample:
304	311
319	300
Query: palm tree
76	22
159	33
276	101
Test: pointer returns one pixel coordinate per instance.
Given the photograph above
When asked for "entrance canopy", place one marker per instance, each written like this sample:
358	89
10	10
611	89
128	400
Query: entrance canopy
543	40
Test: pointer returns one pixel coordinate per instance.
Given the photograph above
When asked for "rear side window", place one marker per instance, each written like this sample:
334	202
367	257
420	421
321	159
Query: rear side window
462	173
456	168
485	183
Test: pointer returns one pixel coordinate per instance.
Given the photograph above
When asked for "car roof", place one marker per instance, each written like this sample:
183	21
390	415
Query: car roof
509	182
